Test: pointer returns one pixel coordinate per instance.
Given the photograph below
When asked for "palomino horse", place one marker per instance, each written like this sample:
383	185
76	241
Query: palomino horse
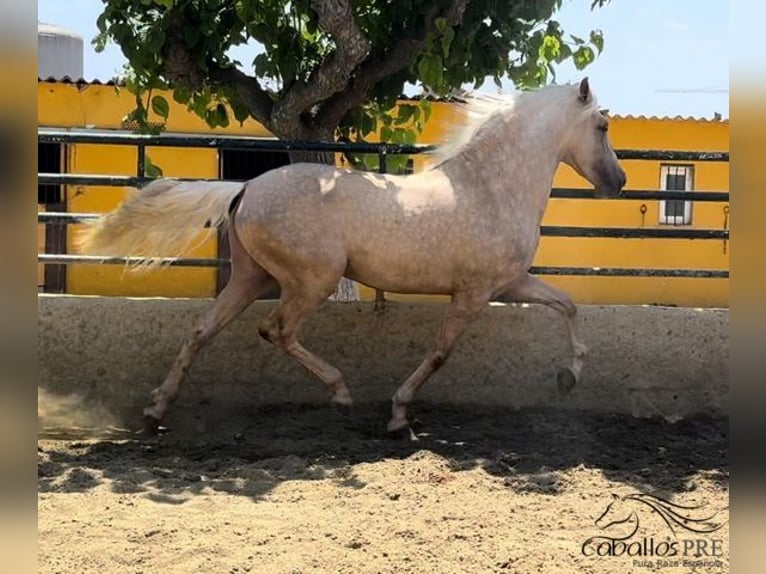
468	227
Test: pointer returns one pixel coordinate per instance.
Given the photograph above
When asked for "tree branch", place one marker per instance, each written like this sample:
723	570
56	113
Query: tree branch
351	47
249	89
181	68
377	67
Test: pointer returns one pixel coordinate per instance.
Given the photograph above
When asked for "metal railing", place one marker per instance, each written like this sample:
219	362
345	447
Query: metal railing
141	142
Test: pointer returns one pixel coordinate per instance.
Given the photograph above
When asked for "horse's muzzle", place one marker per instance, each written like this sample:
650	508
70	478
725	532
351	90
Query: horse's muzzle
611	186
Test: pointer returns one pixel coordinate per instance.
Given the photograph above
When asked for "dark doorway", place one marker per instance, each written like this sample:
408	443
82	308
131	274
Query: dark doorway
242	165
51	158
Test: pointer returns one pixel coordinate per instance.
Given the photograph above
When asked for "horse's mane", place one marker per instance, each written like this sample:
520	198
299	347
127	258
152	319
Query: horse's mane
478	109
673	514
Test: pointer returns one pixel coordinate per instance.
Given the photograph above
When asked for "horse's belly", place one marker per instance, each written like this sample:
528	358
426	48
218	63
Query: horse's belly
429	270
402	277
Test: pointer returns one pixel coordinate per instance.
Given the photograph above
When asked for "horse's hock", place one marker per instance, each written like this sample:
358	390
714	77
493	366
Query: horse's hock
109	353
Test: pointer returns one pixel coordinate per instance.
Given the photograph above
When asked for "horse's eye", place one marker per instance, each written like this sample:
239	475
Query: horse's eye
604	127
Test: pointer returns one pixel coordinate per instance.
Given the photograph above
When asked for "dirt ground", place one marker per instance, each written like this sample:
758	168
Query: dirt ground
303	489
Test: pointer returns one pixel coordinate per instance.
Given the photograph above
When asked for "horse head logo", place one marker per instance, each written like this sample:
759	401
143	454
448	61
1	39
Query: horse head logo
621	515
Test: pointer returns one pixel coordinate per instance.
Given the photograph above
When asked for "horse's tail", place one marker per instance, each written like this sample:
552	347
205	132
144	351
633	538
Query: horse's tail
163	219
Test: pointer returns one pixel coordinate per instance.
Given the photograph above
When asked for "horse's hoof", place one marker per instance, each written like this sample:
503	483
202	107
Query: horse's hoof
344	409
342	402
566	381
152	425
399	434
399	429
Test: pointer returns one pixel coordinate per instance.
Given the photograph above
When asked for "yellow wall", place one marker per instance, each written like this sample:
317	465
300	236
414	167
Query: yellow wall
637	133
65	105
101	106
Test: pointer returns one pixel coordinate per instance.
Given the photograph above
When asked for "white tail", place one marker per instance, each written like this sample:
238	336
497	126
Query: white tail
162	219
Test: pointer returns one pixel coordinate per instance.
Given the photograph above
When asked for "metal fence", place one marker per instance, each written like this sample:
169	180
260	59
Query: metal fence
141	142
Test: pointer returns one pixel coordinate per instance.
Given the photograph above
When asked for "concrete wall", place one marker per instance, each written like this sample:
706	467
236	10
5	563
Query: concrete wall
111	352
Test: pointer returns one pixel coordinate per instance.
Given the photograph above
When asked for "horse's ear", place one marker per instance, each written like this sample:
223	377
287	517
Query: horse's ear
584	96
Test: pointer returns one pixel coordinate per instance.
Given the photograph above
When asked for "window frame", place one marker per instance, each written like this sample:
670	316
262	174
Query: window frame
686	218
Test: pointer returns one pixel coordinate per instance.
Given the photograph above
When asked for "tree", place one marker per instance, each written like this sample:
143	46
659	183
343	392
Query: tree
331	68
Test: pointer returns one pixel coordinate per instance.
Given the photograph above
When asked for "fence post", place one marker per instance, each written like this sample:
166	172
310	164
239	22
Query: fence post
141	167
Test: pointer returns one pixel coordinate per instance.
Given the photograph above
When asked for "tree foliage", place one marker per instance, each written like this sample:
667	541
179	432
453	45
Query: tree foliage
330	68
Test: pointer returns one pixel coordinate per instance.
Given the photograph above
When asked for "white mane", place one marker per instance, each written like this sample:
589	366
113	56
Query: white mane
478	109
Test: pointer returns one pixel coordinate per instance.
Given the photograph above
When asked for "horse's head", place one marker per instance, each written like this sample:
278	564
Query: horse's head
587	148
616	512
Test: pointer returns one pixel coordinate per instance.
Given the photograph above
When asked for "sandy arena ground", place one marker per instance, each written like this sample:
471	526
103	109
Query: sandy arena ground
302	489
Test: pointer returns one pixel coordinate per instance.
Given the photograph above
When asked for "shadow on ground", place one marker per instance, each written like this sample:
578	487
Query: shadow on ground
251	452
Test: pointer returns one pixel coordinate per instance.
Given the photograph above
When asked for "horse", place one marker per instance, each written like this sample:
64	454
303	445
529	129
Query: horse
468	227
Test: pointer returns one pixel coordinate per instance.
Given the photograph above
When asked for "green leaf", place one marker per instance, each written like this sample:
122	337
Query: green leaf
161	107
446	40
425	105
550	49
264	66
367	125
222	116
565	52
156	40
165	3
101	22
370	162
583	56
430	70
152	170
577	40
241	9
240	110
597	39
406	112
181	95
396	163
211	118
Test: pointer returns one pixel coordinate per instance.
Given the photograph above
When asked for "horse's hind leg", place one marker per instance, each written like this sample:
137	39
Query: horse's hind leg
281	328
460	313
530	289
248	282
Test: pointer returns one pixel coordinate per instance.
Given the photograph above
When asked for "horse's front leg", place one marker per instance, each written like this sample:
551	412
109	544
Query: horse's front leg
530	289
460	313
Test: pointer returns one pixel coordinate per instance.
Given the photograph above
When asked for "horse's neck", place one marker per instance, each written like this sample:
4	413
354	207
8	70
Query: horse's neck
514	161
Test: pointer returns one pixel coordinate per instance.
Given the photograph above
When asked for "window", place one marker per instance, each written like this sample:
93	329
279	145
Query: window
676	178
